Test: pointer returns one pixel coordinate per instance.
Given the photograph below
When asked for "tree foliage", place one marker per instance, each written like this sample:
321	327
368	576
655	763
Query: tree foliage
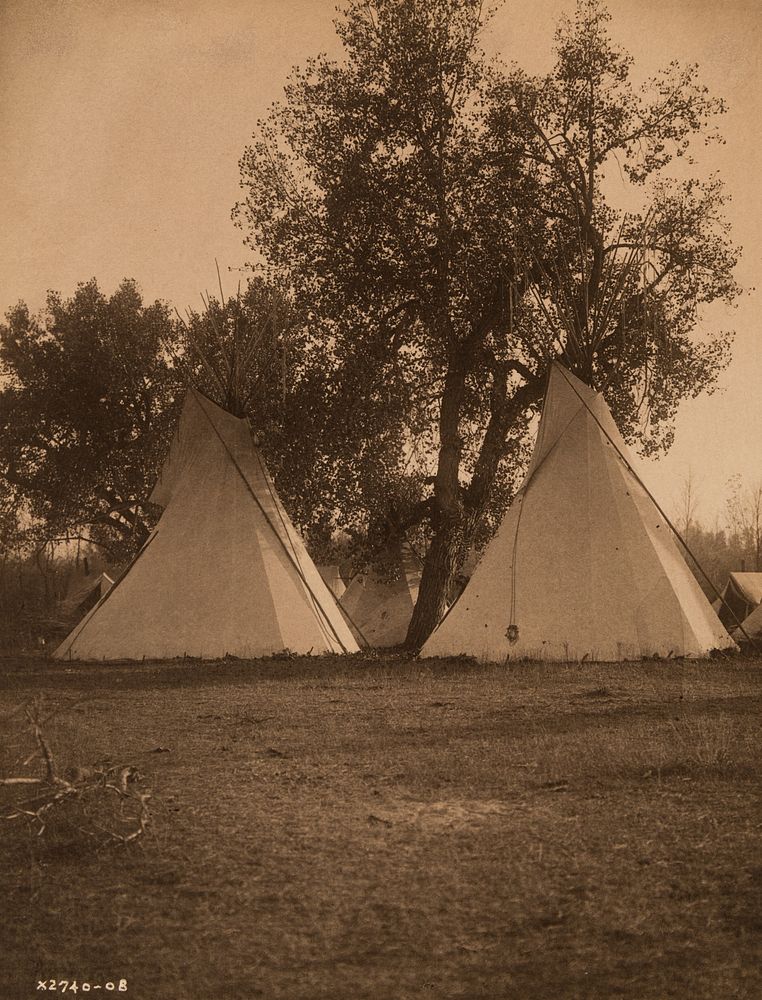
446	231
620	291
92	392
88	403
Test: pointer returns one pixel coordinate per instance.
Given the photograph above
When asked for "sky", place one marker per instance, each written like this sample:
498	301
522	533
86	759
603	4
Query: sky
121	127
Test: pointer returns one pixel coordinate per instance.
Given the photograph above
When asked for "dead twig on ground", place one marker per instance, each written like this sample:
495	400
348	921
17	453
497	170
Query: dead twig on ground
103	803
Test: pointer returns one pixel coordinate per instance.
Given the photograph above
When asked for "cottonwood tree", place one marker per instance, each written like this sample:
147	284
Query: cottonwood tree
89	399
621	291
444	228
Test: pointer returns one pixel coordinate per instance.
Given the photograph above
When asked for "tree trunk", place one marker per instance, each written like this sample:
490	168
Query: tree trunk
442	560
504	412
458	520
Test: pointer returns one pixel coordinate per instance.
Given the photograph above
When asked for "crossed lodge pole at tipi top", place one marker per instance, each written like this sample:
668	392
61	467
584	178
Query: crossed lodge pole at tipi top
578	318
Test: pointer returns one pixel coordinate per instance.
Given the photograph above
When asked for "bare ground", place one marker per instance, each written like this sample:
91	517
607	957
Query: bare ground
327	829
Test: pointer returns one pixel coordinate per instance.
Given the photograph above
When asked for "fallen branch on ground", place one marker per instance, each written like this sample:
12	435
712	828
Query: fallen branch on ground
103	803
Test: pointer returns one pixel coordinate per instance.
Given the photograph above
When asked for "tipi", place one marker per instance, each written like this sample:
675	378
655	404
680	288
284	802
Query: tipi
224	572
380	608
583	566
332	579
742	594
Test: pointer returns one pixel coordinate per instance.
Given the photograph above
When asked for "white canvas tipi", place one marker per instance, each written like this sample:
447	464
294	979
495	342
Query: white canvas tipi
381	609
224	572
85	594
332	578
583	565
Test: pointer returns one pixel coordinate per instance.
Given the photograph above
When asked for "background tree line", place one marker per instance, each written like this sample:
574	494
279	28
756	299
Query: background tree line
730	539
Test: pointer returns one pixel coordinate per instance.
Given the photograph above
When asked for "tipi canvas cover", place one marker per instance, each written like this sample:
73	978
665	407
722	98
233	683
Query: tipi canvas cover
583	565
224	572
381	609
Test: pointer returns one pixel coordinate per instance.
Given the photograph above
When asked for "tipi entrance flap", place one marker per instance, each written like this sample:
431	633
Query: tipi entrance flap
560	407
313	602
184	450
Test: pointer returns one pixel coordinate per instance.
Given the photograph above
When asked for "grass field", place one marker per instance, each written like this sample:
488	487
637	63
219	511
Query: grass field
343	829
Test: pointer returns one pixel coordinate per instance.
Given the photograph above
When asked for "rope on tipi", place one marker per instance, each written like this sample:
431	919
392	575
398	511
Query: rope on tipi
294	562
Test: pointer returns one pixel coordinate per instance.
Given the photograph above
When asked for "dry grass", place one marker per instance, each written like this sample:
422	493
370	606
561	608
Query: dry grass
384	829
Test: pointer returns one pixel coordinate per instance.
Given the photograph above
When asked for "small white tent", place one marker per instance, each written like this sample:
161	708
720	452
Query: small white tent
742	594
381	608
84	593
752	628
332	579
224	572
583	565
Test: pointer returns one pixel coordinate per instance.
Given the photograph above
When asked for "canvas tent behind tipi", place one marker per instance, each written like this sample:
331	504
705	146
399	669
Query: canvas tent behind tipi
224	572
86	594
381	608
742	594
332	579
751	629
583	565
